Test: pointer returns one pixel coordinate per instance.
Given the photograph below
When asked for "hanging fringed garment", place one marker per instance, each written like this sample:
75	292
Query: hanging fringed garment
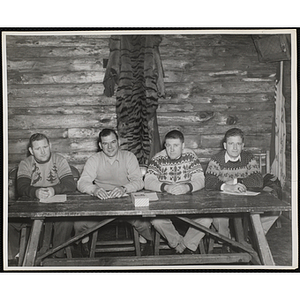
278	138
134	65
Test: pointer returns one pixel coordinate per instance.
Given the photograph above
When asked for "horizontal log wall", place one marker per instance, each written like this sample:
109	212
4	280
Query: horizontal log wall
213	83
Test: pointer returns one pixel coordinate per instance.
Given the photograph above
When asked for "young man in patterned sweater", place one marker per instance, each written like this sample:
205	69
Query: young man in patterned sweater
176	170
234	170
42	175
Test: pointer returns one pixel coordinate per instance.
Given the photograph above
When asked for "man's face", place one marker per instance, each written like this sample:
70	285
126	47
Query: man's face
234	146
174	148
40	150
109	144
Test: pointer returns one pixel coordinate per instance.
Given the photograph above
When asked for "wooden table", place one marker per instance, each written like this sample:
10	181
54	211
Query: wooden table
202	203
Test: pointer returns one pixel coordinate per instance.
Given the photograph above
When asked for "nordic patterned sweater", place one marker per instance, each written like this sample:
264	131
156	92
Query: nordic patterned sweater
245	170
186	169
56	173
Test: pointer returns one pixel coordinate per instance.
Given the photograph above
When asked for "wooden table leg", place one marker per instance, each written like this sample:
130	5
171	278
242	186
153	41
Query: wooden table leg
33	241
243	246
262	243
23	241
47	237
73	239
239	229
240	237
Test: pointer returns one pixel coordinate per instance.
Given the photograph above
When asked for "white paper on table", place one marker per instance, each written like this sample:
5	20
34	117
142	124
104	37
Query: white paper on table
108	193
247	193
55	199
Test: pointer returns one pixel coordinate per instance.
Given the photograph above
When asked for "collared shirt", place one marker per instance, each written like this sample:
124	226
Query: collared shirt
228	158
246	170
100	171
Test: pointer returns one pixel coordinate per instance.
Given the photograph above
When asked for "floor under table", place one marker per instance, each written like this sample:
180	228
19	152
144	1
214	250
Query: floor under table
280	242
279	239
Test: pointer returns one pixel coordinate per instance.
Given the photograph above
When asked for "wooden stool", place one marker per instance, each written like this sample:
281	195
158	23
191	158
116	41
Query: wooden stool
116	245
118	223
46	242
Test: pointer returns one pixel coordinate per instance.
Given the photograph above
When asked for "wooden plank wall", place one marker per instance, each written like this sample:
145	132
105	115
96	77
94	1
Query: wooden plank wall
213	82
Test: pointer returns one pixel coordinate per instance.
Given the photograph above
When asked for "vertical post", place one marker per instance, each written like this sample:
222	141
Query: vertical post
268	161
262	243
31	249
136	242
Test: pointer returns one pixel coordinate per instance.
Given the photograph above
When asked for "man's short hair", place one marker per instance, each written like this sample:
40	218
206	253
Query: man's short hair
37	137
234	132
175	134
107	132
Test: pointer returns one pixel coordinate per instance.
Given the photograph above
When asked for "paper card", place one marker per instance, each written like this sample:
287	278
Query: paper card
247	193
55	199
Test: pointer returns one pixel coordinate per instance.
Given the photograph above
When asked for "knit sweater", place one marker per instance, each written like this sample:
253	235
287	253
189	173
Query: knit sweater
246	171
55	173
186	169
100	172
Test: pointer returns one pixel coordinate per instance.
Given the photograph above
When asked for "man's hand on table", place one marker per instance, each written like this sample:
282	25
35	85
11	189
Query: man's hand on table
177	188
117	192
102	194
235	188
44	193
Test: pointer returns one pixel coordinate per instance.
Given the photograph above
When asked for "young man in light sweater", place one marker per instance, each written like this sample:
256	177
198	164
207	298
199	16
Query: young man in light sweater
108	174
176	170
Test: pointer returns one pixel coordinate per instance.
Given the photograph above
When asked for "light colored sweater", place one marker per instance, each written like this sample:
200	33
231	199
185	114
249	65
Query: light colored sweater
100	172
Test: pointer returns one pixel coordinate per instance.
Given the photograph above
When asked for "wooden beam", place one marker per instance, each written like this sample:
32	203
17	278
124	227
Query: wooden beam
242	246
31	250
163	260
263	250
17	101
74	239
61	121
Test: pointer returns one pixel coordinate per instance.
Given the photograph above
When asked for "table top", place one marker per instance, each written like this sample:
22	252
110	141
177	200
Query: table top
200	202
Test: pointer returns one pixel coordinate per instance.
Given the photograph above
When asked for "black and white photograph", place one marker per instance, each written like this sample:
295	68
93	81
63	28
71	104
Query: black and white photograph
153	149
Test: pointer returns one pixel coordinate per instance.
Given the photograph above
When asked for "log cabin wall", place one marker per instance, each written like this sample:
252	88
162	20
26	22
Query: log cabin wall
213	83
55	87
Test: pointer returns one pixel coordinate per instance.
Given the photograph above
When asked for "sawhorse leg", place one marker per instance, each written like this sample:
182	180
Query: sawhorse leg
74	239
262	243
242	246
33	241
47	237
